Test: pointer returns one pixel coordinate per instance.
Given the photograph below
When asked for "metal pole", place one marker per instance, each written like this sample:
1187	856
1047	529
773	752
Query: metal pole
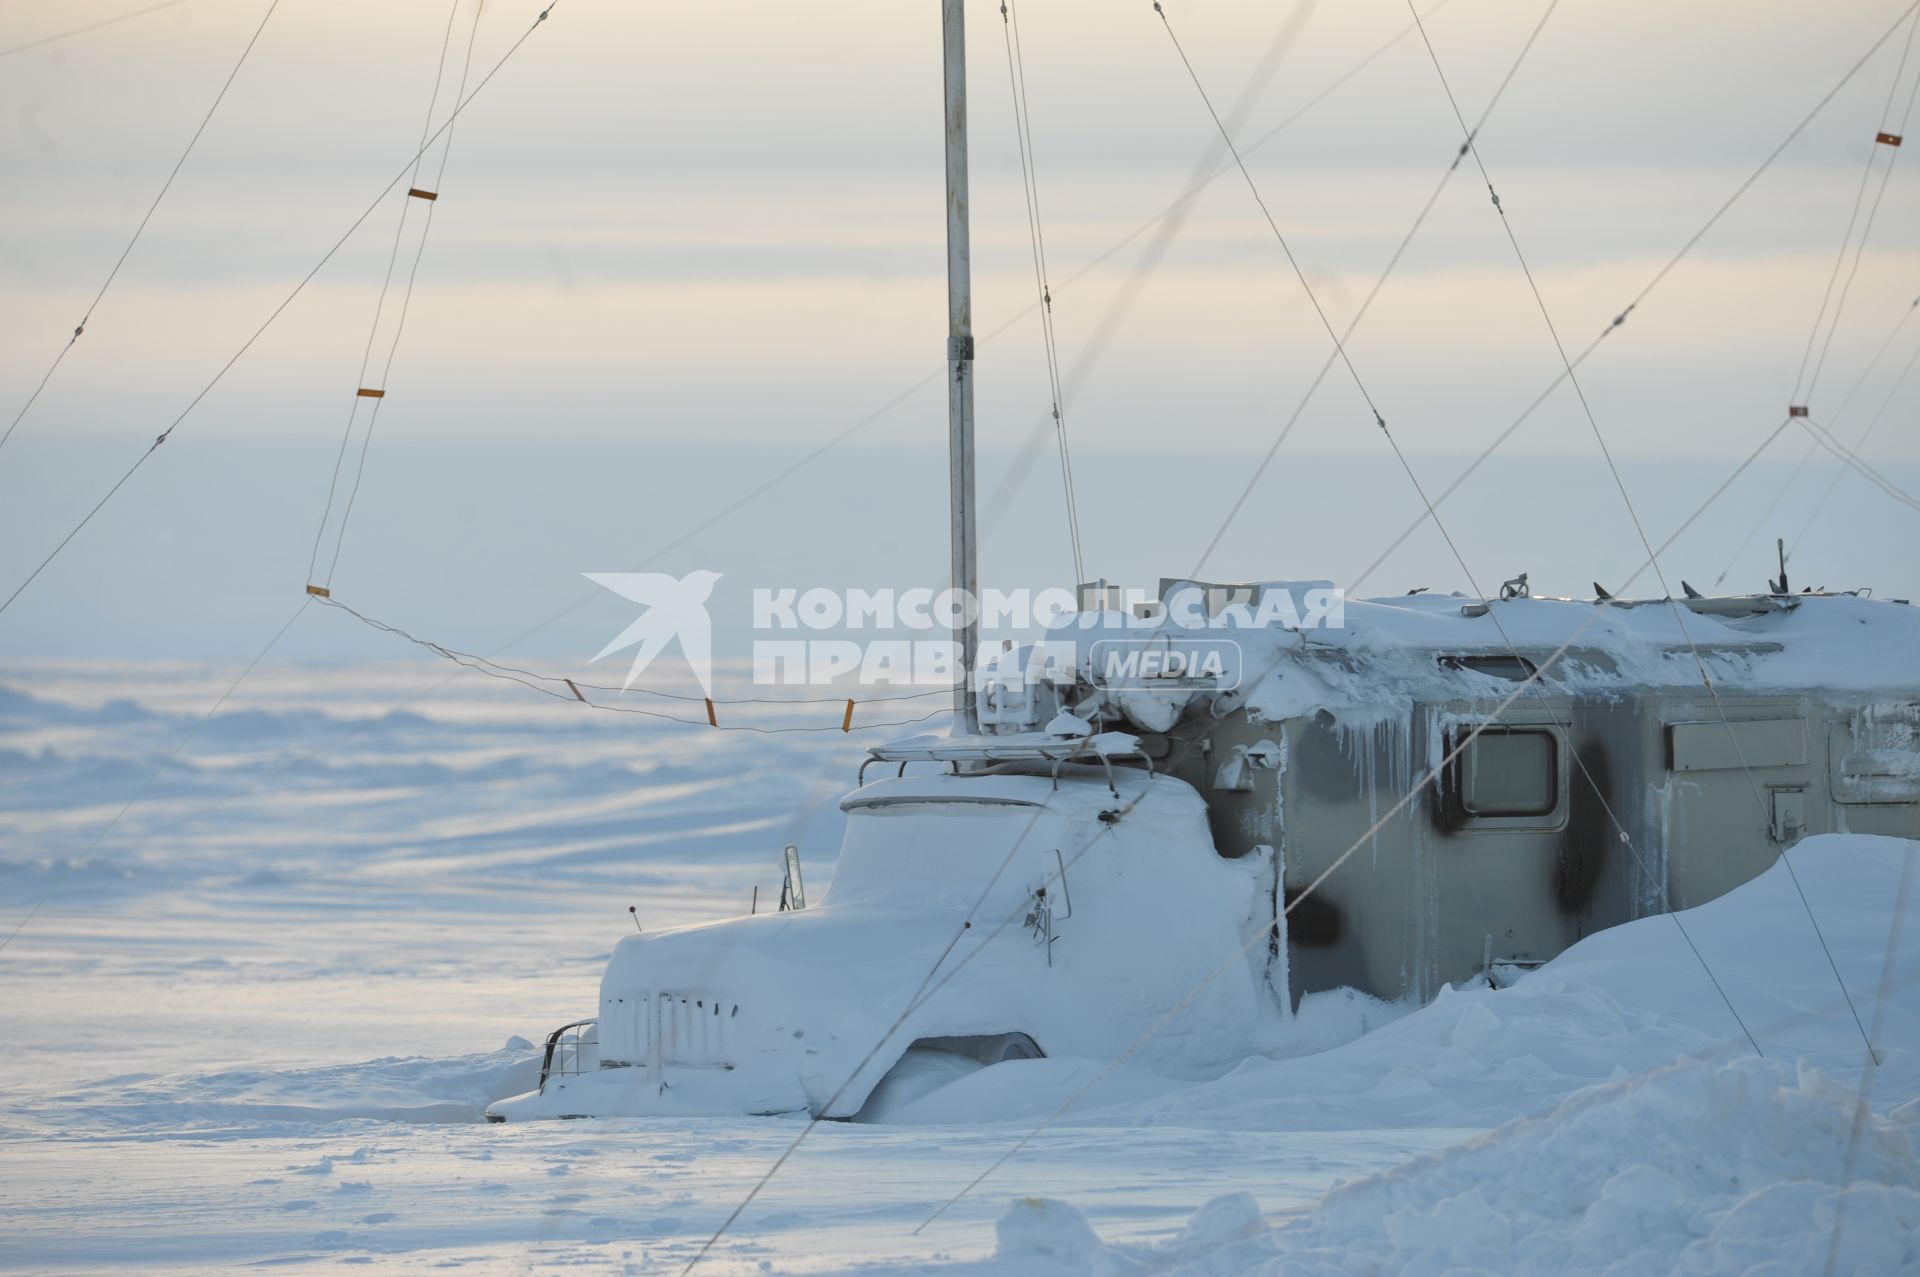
966	559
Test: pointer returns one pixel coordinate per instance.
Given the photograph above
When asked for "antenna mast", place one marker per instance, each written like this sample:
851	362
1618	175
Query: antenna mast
966	558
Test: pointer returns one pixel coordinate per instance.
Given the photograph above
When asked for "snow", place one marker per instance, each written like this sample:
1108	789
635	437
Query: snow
1381	654
1640	1131
255	1027
1697	1168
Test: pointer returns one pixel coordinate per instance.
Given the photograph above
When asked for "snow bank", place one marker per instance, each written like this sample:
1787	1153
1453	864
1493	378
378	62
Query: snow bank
1698	1168
1641	1131
1621	1002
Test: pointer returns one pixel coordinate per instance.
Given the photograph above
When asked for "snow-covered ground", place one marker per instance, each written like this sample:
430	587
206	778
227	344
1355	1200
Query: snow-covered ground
256	1024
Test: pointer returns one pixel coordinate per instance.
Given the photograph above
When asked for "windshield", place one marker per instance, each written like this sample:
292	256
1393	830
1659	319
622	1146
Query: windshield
902	852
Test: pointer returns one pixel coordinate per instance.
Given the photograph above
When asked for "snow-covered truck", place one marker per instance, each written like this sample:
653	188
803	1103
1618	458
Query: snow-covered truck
1441	790
1155	859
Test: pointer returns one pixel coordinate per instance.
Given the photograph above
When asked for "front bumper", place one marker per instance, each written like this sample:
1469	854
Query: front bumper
637	1091
577	1080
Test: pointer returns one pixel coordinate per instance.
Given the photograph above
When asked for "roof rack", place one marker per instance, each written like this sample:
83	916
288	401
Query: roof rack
1031	747
1025	747
1726	605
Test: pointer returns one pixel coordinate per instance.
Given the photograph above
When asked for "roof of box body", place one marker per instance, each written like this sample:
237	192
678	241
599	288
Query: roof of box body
1425	647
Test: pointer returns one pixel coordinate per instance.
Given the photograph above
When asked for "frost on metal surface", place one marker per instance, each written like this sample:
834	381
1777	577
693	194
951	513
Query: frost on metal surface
1876	755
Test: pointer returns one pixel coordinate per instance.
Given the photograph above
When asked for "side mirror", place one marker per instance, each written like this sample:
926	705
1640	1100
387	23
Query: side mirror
793	892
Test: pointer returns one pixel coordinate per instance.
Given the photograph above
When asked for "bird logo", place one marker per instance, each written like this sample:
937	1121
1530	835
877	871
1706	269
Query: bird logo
676	607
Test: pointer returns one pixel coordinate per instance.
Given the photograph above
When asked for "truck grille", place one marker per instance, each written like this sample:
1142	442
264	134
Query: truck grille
669	1028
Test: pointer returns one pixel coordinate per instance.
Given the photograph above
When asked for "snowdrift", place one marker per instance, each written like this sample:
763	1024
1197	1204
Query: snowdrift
1698	1168
1622	1002
455	1089
1647	1135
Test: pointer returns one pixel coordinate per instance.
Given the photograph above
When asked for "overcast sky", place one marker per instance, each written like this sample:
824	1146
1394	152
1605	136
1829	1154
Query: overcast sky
680	245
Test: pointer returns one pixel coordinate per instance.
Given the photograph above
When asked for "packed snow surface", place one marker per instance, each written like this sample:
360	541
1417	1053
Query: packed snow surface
255	1026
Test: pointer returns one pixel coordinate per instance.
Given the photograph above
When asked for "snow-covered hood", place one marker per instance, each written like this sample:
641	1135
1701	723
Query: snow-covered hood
934	927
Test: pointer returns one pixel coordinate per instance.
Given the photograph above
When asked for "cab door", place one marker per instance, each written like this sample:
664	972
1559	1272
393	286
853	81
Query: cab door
1503	815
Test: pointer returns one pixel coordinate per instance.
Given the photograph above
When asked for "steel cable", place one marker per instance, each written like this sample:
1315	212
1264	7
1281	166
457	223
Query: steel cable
1030	189
91	26
278	311
1647	289
380	303
140	229
1653	556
